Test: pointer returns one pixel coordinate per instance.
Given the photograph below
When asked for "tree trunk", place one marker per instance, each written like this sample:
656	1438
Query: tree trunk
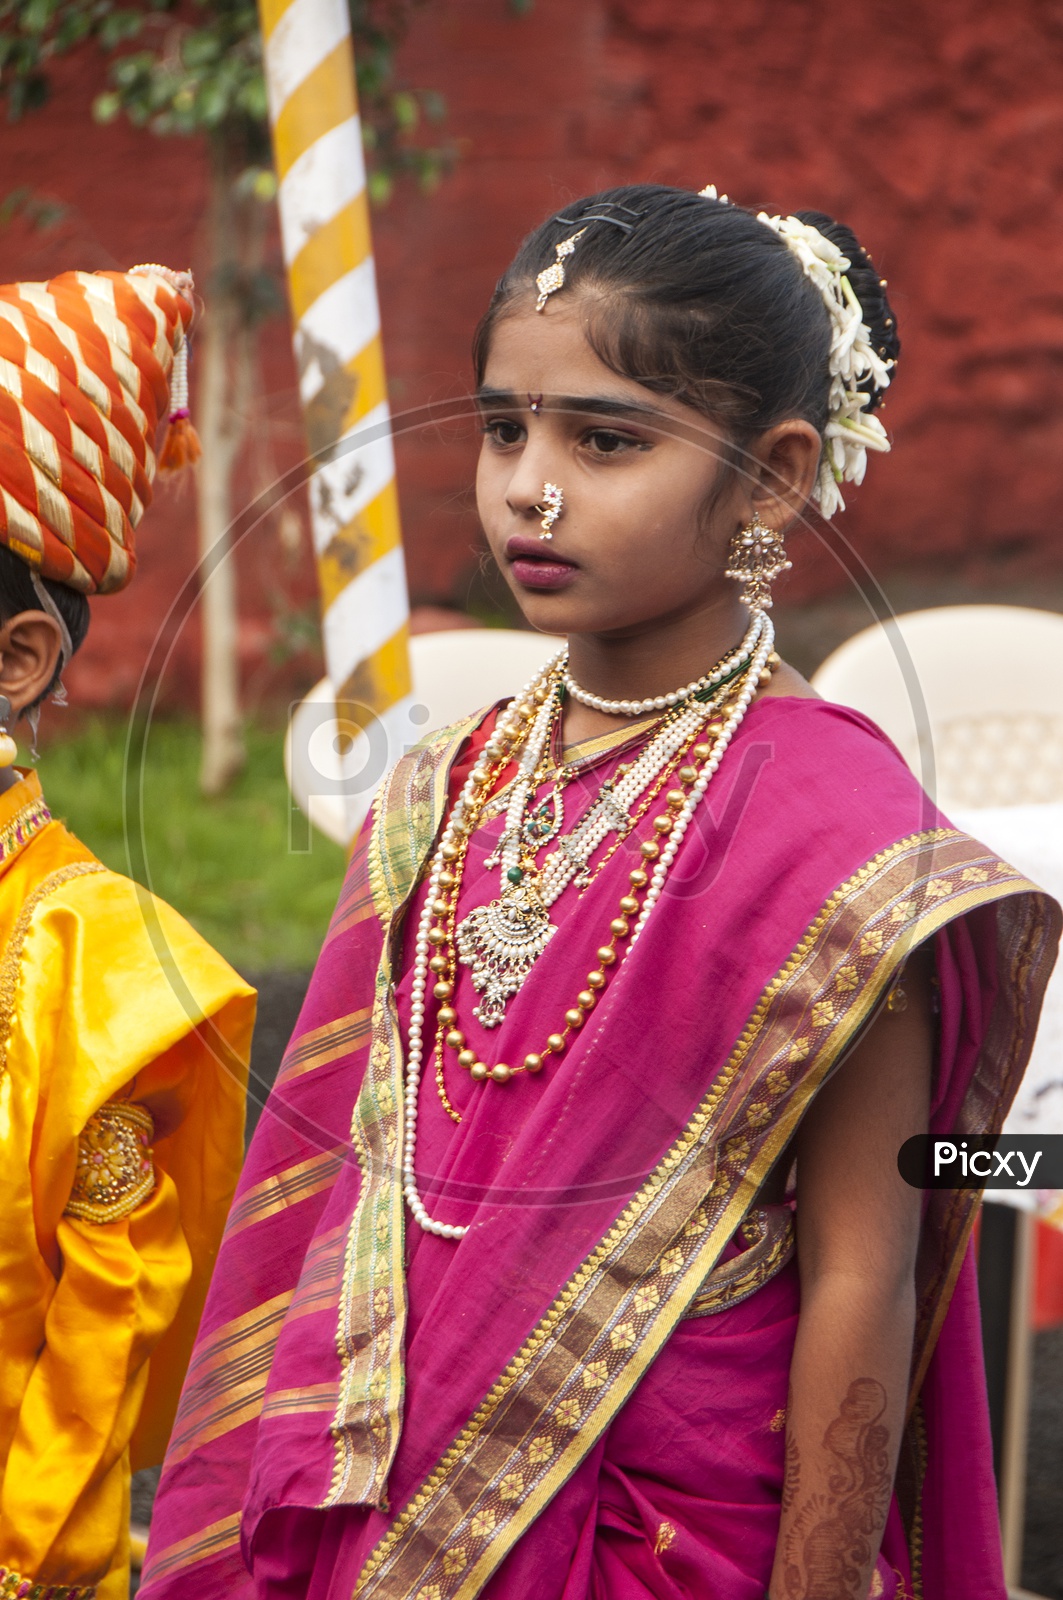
224	376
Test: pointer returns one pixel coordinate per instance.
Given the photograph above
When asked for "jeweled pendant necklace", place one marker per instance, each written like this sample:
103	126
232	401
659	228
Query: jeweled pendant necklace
500	942
443	886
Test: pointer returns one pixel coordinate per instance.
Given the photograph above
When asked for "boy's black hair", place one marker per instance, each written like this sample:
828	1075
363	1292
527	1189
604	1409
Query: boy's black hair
17	594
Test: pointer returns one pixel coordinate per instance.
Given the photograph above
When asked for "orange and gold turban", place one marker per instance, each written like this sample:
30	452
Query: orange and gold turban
86	363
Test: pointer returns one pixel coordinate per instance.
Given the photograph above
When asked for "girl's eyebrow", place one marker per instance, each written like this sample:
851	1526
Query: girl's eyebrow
583	405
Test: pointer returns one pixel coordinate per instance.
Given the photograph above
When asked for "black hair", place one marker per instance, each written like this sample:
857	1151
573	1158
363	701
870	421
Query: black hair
17	594
702	302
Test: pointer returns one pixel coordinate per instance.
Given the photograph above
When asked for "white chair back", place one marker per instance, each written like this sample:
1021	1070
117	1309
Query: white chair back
454	673
971	695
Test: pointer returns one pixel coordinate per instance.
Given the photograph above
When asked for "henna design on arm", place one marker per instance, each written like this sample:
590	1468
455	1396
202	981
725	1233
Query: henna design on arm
830	1545
792	1465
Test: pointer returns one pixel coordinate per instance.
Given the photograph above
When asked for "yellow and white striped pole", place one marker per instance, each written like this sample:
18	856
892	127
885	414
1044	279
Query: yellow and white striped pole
324	214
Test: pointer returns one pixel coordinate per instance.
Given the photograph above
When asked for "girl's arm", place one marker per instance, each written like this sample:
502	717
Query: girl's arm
858	1230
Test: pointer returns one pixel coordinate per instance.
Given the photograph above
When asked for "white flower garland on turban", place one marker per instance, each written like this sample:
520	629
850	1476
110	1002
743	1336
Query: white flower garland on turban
851	429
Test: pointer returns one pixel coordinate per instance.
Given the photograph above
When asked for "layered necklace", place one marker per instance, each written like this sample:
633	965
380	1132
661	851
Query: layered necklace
499	943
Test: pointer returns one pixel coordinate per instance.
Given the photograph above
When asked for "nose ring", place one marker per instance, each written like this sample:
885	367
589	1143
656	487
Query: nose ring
551	508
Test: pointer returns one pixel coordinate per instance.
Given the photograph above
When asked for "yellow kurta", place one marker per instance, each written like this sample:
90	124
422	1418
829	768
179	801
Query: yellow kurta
106	996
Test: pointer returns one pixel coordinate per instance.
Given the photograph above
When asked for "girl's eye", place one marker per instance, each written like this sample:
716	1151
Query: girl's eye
503	431
605	442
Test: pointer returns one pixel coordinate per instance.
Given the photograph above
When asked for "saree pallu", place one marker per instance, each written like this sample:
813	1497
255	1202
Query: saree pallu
391	1414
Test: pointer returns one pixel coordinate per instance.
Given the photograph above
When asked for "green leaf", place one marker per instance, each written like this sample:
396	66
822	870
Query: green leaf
406	111
212	103
201	49
36	16
381	186
106	106
119	26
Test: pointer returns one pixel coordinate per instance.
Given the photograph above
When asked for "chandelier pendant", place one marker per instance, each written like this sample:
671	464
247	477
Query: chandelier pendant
500	943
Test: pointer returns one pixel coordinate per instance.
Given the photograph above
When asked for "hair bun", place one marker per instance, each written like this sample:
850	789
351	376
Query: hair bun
869	289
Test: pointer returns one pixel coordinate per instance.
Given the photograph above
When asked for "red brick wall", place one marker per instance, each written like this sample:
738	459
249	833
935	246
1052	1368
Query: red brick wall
935	131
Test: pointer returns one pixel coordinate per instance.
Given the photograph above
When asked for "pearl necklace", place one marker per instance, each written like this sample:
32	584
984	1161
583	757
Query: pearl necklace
511	728
507	732
664	702
500	942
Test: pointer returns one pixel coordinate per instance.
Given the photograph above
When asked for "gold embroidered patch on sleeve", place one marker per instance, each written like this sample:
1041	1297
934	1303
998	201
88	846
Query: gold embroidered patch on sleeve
114	1170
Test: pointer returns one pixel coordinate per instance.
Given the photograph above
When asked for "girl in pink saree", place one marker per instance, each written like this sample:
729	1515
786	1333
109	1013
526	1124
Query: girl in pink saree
571	1260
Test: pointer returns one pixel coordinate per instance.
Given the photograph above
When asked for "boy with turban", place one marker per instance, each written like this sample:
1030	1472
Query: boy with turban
123	1037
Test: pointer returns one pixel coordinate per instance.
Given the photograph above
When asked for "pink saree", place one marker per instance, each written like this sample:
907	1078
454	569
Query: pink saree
585	1396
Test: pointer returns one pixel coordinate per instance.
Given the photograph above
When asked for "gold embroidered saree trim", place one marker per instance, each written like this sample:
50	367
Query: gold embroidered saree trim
586	751
1008	1041
403	827
12	957
915	1534
592	1347
372	1313
733	1281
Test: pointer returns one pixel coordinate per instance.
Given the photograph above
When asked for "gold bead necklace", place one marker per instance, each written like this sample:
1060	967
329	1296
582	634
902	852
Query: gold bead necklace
443	962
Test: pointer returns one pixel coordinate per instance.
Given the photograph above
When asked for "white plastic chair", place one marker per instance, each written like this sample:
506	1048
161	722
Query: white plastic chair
973	698
991	681
454	673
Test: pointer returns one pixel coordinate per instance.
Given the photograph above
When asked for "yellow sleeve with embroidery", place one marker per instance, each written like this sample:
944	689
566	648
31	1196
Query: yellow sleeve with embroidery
122	1086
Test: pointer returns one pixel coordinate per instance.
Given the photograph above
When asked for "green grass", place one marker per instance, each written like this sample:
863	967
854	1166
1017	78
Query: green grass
227	864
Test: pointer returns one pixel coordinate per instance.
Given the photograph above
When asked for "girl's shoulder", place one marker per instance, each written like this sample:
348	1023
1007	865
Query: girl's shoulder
831	760
834	728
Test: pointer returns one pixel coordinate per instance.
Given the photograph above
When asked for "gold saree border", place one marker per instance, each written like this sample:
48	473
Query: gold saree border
318	1046
203	1545
285	1188
592	1347
371	1325
1009	1039
226	1382
735	1280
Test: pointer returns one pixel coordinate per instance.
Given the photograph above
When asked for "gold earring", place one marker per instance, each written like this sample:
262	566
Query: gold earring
755	559
8	747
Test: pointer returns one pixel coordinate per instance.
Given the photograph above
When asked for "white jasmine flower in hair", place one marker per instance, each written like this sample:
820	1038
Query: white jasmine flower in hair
851	429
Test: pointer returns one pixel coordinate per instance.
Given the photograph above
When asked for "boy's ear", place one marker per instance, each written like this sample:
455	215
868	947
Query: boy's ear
30	650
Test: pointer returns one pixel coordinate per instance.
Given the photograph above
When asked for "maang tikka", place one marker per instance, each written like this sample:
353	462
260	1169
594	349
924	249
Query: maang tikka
552	278
755	559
